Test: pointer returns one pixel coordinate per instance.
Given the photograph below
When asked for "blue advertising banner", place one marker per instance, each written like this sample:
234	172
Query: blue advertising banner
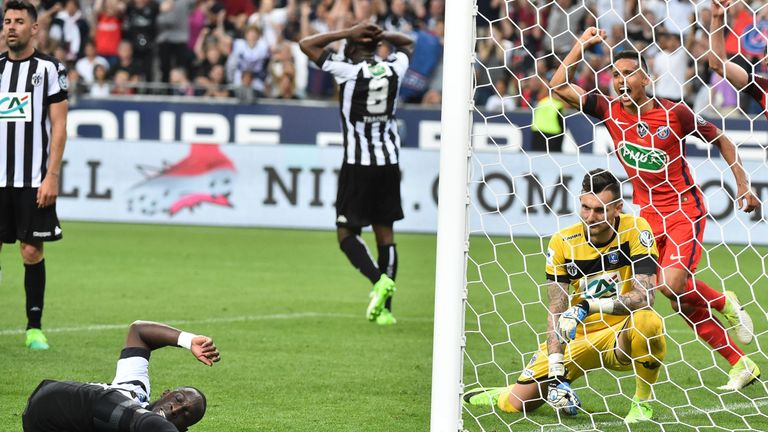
317	123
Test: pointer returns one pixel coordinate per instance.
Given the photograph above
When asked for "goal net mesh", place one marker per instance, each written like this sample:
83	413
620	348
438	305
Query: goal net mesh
525	178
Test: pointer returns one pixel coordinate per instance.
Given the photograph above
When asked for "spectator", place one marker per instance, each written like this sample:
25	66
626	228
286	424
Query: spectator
271	20
217	83
500	101
245	92
197	21
282	73
251	53
180	84
563	24
207	55
427	54
238	11
125	61
122	83
140	28
173	35
85	66
436	14
400	18
70	30
670	67
100	88
109	28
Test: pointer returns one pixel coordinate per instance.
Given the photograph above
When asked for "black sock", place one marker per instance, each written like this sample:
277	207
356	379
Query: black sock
388	265
34	285
355	249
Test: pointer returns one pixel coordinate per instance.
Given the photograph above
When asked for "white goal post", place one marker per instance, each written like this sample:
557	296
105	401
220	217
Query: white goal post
452	229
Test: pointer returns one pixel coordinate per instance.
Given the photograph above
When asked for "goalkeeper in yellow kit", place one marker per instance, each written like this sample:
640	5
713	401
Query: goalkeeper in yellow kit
610	261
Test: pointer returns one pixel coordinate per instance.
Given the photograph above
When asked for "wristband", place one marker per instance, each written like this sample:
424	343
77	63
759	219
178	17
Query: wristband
556	367
185	340
600	305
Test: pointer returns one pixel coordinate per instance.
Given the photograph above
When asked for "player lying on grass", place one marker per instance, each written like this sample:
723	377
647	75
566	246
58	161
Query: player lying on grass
649	137
755	85
124	406
610	322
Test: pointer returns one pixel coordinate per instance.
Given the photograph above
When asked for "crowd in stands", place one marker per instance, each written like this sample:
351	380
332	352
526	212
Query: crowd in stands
520	43
246	49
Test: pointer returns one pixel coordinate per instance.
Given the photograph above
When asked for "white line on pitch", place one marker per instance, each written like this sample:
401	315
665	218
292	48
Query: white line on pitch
272	317
659	420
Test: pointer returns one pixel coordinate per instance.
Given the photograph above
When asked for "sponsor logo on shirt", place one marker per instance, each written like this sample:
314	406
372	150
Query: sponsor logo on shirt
600	285
643	158
572	236
15	107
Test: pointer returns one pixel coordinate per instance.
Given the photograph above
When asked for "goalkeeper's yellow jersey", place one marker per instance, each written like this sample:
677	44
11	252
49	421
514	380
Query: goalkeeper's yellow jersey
602	270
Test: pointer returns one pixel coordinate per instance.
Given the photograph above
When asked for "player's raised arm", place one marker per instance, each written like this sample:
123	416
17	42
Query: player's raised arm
401	41
152	335
718	58
745	197
313	46
561	80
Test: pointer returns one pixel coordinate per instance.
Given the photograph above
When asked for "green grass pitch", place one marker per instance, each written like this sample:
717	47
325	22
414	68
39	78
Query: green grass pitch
285	308
287	312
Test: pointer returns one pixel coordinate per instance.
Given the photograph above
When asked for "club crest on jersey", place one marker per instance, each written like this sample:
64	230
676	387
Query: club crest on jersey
646	238
642	129
15	107
662	132
37	79
600	285
572	269
613	258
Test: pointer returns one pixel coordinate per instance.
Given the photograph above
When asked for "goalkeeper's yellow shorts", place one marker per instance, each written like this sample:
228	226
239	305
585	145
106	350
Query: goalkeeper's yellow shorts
591	351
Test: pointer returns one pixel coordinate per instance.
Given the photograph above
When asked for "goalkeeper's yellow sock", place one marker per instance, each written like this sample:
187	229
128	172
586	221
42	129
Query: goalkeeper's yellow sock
504	403
648	348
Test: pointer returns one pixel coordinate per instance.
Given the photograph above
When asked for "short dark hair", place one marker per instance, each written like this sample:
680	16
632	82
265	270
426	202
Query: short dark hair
632	55
21	5
601	180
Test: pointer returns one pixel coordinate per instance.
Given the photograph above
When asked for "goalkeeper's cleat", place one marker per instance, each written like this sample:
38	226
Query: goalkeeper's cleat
386	318
742	374
483	396
36	340
640	411
382	290
738	319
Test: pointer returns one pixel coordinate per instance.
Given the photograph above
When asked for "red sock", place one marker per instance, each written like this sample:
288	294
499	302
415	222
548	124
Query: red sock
702	295
710	329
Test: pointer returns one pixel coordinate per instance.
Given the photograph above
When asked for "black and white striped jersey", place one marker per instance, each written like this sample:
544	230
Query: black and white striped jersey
368	97
27	88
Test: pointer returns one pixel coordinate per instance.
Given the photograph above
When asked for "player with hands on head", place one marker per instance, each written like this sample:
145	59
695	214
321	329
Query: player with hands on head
649	136
369	179
124	405
609	260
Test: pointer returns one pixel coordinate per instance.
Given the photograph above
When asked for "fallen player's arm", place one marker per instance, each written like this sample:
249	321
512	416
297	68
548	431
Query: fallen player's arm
152	335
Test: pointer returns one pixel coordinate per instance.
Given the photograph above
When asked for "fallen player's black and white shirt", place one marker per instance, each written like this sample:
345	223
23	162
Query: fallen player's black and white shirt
132	375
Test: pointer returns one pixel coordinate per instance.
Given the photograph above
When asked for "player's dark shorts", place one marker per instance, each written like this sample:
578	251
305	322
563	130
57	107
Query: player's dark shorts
57	406
368	195
21	219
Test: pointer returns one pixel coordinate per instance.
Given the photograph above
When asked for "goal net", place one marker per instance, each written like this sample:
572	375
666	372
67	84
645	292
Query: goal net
525	158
